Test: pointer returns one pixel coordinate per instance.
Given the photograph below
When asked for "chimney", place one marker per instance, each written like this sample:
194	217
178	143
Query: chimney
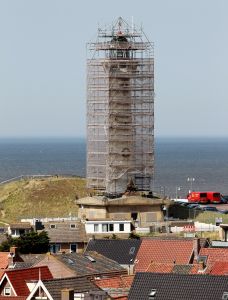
11	257
14	250
67	294
201	266
196	247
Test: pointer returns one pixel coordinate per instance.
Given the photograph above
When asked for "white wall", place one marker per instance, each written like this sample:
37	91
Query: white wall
89	226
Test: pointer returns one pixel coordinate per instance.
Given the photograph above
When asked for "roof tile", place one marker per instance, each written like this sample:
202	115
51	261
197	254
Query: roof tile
163	251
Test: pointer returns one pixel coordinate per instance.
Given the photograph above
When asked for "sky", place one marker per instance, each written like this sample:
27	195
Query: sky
43	64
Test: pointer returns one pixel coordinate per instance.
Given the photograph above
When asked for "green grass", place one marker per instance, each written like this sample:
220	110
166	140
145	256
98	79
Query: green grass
209	217
49	197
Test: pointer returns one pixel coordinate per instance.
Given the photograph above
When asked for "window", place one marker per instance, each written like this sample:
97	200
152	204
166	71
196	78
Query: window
7	291
132	250
73	248
121	227
111	227
134	216
104	227
54	248
96	227
52	226
72	226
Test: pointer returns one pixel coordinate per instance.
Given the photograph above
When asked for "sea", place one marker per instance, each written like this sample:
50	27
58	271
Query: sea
181	164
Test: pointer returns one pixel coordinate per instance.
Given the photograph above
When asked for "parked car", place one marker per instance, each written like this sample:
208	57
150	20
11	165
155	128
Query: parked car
194	206
224	199
209	208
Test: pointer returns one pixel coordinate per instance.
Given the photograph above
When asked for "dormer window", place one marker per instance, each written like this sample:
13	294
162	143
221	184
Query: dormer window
7	291
52	226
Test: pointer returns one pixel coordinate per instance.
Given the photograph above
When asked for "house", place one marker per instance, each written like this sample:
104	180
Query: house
159	286
116	287
67	289
18	283
74	264
122	251
143	211
166	250
101	228
66	236
18	229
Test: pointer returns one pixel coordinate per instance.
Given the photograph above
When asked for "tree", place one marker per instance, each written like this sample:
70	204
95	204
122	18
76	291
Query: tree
31	242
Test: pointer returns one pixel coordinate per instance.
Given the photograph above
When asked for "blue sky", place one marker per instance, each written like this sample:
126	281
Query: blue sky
43	64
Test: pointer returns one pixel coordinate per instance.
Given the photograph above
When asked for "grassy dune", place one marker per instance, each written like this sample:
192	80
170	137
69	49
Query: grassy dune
49	197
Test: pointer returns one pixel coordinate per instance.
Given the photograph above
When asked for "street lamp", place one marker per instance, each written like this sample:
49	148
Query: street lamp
191	180
178	188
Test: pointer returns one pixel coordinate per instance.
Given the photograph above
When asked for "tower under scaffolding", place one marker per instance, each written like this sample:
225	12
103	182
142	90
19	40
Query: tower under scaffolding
120	109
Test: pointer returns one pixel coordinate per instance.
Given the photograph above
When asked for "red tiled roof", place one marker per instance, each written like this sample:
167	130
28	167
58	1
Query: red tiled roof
117	287
214	254
160	268
4	260
115	282
163	251
219	268
18	278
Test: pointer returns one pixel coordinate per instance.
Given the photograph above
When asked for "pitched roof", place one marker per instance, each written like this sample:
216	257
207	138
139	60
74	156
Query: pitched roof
79	284
214	254
18	278
65	233
179	251
90	263
178	286
117	287
122	251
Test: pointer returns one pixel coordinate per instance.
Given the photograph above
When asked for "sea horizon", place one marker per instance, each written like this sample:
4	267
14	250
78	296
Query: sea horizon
176	159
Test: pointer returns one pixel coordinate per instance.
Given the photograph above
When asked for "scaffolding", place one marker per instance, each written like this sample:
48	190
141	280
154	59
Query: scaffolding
120	109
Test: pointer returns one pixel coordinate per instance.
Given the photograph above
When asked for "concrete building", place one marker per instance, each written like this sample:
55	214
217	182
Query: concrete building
142	211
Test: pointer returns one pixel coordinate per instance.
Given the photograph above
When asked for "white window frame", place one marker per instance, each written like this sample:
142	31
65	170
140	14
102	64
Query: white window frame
9	289
105	225
96	227
121	224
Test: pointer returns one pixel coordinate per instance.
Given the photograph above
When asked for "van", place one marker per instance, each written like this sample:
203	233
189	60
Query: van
204	197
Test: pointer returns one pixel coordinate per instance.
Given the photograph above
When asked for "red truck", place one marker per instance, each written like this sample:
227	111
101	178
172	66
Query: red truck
204	197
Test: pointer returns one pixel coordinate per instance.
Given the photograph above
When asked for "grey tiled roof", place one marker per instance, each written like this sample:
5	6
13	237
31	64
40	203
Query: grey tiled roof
178	286
63	233
22	225
79	284
122	251
90	264
32	259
